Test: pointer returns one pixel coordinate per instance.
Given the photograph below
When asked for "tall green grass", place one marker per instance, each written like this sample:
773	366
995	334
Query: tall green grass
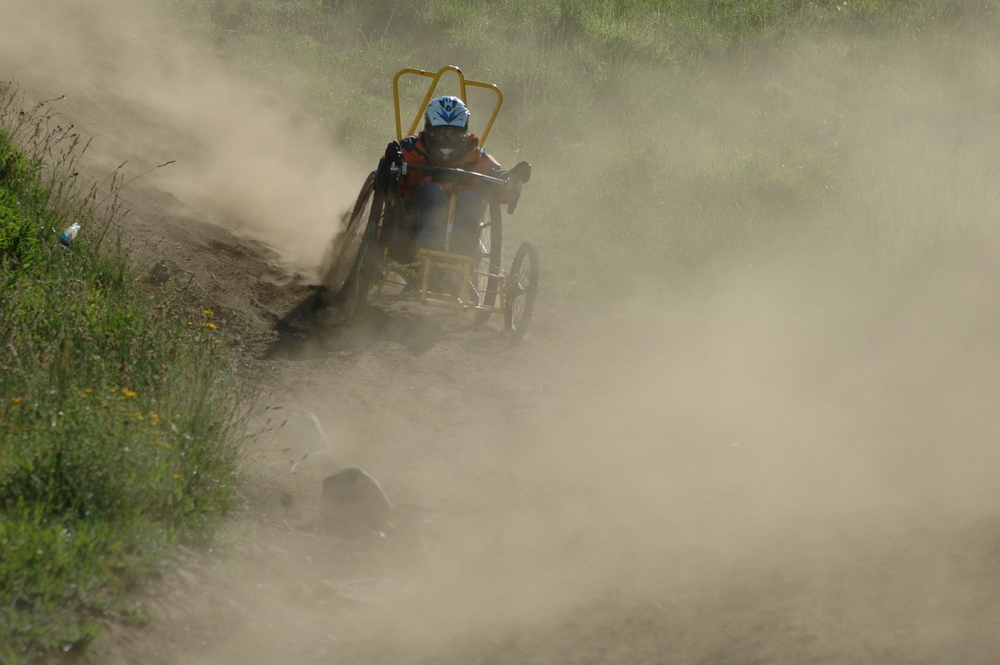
120	404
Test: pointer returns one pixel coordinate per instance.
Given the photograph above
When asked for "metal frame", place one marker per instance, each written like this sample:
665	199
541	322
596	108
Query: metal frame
416	279
435	78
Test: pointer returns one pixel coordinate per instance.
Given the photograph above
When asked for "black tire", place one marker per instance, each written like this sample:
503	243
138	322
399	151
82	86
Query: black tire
488	257
362	240
522	289
340	261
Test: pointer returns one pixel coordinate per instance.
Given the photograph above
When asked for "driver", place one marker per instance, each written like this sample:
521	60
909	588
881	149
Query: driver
444	141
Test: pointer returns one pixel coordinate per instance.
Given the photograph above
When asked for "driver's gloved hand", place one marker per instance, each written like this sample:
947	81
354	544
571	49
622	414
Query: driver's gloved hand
394	152
521	172
383	176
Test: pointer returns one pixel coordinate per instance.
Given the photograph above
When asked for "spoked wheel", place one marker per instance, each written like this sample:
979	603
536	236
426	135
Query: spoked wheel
487	265
350	274
522	288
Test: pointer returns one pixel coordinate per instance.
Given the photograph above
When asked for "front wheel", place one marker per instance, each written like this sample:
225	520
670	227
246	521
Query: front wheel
522	288
352	271
353	297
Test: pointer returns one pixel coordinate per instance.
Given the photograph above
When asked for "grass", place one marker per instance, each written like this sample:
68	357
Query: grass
119	406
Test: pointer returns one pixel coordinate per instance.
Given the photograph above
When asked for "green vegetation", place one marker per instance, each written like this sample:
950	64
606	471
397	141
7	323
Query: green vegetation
118	406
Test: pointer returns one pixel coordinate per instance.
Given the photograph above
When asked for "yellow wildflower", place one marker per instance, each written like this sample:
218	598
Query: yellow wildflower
154	418
129	394
138	416
208	312
210	326
16	400
177	476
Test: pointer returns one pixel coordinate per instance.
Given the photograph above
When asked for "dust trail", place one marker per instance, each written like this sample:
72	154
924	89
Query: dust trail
768	469
243	156
773	467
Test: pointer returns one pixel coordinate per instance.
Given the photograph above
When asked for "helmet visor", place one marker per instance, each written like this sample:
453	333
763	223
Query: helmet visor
445	139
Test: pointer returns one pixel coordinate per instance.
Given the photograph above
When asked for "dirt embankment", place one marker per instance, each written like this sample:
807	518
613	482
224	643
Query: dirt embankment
769	470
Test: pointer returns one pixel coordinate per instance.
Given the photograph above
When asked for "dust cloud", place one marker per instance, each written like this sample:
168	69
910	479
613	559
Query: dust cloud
770	469
242	155
767	470
789	462
785	463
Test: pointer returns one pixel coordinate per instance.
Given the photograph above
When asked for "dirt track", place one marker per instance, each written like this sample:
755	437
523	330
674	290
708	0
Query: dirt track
640	487
762	471
626	489
622	490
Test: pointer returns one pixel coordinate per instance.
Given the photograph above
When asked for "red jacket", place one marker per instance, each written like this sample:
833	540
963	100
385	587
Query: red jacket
416	153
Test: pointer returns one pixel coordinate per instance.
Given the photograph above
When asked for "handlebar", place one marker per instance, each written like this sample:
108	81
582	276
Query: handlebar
515	177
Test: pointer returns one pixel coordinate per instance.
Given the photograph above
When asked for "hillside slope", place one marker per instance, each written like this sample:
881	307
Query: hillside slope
762	467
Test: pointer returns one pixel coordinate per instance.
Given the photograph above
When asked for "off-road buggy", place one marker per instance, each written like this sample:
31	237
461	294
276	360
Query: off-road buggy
362	270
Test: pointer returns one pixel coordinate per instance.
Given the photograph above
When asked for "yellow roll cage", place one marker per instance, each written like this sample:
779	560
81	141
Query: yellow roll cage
435	77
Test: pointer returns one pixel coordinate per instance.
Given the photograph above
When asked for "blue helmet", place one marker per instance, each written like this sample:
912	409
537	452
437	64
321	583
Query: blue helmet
446	125
450	111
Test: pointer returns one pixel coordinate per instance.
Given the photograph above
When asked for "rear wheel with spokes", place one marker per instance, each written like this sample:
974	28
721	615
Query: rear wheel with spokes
522	289
486	277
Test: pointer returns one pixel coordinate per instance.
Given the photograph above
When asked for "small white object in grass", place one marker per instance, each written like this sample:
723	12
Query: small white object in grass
69	235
